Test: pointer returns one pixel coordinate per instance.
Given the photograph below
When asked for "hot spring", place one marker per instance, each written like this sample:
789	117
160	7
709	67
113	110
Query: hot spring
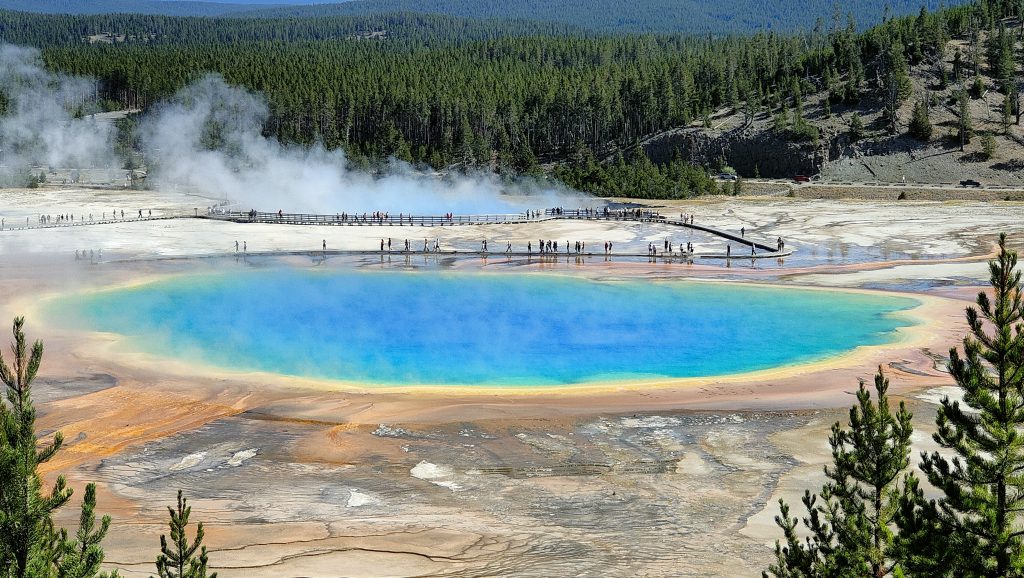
508	329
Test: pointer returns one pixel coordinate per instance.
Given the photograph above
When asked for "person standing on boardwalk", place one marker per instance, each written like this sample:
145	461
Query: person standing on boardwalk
325	244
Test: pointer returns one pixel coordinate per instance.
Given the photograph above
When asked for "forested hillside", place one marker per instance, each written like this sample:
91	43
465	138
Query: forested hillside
618	16
178	8
513	97
633	16
401	29
165	7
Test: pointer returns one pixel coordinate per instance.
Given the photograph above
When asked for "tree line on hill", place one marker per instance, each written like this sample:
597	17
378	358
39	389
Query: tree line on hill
512	97
627	16
605	16
172	8
47	30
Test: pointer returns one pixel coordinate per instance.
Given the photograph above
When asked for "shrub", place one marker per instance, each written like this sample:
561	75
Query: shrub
803	131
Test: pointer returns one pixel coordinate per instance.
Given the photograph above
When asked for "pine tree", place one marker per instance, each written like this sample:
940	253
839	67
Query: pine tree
180	560
988	146
982	486
24	510
799	558
81	555
965	129
894	80
856	128
850	523
29	543
1007	113
920	125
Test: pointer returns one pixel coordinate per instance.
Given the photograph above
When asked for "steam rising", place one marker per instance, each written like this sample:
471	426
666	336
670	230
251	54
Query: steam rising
39	127
209	139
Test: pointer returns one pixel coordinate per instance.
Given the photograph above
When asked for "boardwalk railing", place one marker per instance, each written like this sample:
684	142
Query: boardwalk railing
403	219
648	216
387	219
370	219
14	225
384	219
725	235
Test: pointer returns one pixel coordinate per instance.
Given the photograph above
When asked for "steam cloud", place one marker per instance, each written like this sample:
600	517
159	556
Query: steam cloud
39	127
209	138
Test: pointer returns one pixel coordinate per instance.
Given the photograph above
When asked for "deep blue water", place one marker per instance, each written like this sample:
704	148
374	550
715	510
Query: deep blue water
481	329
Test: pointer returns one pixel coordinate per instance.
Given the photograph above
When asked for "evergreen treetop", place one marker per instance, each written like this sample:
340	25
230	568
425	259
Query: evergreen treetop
982	484
24	510
850	524
30	545
179	559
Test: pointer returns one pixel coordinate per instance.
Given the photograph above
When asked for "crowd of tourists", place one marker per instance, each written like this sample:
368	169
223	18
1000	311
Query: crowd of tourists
69	218
343	218
667	247
90	254
407	246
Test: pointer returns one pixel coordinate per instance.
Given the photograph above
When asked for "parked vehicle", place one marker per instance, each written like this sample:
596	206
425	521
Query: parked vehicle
969	183
802	178
727	176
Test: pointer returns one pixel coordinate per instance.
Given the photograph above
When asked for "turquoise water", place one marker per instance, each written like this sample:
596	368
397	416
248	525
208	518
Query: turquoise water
481	329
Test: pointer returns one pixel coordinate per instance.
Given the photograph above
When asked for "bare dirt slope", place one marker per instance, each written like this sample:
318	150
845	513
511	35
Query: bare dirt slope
755	148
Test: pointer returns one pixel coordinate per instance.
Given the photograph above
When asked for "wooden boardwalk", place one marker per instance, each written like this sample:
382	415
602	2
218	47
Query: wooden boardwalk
404	220
760	250
674	257
7	226
370	220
